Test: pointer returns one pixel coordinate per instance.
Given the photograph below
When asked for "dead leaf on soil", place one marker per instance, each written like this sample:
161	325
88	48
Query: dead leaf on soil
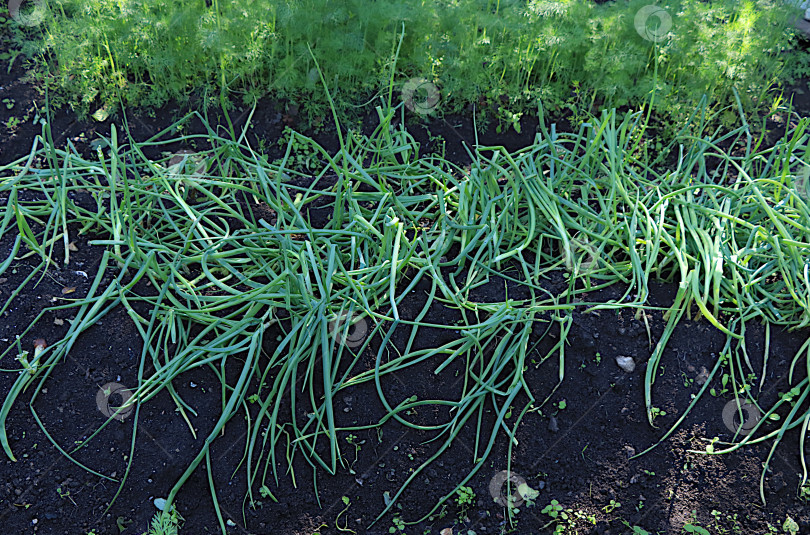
72	247
58	321
68	290
101	115
447	531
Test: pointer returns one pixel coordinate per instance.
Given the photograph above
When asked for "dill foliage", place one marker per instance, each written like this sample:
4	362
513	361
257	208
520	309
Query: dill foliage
502	55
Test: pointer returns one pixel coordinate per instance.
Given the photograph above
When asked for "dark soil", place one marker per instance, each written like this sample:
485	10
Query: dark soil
578	455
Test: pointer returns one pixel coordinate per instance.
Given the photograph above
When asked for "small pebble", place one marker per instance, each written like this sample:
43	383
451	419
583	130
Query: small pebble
626	363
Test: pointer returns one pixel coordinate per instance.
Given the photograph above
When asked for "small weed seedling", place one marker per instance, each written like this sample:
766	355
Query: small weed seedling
465	498
720	524
693	527
165	523
656	412
609	508
790	526
13	123
265	493
566	520
345	527
636	530
64	494
804	492
358	445
398	527
791	395
554	509
723	386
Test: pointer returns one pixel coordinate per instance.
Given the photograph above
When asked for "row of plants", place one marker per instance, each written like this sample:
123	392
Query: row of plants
728	226
500	56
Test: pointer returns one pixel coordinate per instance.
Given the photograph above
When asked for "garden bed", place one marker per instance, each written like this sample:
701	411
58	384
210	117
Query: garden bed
581	440
579	455
577	448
